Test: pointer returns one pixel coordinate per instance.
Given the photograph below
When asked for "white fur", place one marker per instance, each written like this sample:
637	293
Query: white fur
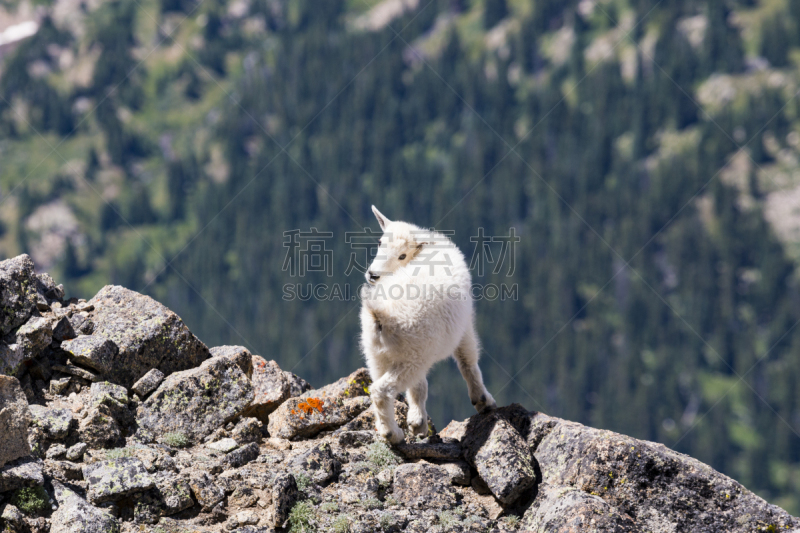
403	333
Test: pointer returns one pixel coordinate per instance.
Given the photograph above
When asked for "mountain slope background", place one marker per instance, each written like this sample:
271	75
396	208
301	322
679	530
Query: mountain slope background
647	155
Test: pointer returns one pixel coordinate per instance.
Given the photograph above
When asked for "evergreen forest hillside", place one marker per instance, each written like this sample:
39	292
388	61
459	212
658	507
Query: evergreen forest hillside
646	154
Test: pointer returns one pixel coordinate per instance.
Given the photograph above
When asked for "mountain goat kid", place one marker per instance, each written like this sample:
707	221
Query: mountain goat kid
416	310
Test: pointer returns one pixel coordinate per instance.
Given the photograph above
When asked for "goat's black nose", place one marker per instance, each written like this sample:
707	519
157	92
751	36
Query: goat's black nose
372	275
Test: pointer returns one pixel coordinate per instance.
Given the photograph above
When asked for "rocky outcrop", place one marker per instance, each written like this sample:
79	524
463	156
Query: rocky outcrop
14	419
18	292
194	403
181	441
147	335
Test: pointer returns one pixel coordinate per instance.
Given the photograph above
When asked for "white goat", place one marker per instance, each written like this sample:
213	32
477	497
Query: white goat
416	310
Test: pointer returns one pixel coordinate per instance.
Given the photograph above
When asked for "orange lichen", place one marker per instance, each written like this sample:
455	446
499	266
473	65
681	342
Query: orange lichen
309	405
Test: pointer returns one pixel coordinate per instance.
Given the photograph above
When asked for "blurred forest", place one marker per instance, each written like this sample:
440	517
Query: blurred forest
647	154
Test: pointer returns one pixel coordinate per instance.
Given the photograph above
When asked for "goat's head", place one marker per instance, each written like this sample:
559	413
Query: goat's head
399	245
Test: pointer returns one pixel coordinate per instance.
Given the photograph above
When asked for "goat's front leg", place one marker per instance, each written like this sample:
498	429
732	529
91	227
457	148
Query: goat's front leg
417	415
383	392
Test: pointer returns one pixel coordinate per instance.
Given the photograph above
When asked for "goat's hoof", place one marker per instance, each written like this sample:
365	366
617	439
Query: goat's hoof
485	403
419	427
393	435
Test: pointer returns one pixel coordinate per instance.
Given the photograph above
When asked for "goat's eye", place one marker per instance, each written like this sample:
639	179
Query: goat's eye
403	256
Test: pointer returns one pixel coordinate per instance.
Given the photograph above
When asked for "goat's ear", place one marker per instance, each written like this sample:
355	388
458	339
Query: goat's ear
382	220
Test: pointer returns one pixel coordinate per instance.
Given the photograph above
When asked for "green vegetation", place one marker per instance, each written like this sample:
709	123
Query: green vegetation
447	520
386	520
303	480
380	456
646	153
175	439
119	453
371	503
301	518
511	521
31	500
341	524
329	507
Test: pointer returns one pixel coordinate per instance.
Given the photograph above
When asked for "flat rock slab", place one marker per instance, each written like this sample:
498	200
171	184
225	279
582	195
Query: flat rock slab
649	482
445	451
15	417
25	472
223	445
114	479
352	386
77	371
423	485
305	417
54	423
569	510
501	455
148	383
94	351
271	387
18	292
197	402
76	515
146	333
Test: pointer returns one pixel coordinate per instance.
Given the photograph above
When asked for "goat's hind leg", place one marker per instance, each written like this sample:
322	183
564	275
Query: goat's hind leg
466	356
383	392
417	415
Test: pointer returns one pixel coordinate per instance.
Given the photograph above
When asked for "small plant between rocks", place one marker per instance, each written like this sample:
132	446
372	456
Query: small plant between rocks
380	456
301	518
31	500
341	524
175	439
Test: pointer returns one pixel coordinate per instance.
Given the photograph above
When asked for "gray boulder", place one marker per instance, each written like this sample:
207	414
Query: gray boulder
94	351
239	354
25	472
271	388
284	495
148	383
146	333
99	428
501	455
352	386
319	463
659	488
54	424
15	417
34	336
114	479
206	492
18	292
12	357
305	417
198	401
76	515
